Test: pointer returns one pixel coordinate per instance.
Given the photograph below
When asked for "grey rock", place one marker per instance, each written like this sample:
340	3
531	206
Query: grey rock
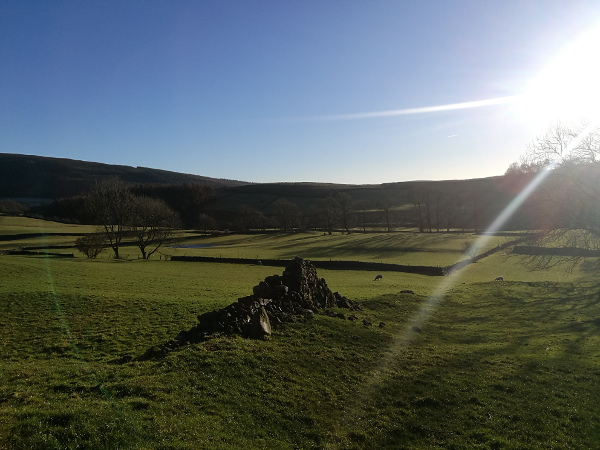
260	325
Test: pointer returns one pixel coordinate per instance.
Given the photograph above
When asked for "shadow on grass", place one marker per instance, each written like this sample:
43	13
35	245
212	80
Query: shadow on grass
497	365
379	246
513	366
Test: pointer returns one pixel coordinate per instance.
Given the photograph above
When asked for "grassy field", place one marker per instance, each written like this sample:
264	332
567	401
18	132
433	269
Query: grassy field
437	249
399	248
464	362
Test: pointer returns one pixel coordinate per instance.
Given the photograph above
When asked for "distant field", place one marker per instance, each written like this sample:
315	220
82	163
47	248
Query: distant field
434	249
510	364
18	225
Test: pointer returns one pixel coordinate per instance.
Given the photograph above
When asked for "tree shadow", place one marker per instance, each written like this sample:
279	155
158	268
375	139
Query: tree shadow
514	366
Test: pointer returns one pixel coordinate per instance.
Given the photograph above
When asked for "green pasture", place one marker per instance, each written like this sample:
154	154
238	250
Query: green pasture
10	227
463	362
23	225
430	249
410	248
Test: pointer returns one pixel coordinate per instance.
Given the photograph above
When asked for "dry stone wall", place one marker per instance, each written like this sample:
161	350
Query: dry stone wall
279	299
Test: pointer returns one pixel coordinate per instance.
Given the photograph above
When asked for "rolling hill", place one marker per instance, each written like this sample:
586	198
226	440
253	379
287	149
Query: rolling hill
43	178
36	180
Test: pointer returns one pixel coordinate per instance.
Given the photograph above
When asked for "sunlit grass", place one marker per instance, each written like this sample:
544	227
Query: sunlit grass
16	225
429	249
508	364
435	249
494	356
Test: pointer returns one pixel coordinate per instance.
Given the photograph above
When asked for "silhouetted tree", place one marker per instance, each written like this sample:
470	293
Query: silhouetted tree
187	199
288	214
249	217
345	210
152	224
567	203
561	145
362	210
416	198
476	204
564	144
328	213
207	223
450	207
386	207
111	205
437	208
12	208
91	245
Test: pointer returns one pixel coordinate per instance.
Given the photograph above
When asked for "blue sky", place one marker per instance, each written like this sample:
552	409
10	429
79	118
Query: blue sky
267	91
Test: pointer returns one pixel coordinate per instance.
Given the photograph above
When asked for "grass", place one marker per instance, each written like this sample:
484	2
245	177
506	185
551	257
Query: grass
509	364
17	225
434	249
400	248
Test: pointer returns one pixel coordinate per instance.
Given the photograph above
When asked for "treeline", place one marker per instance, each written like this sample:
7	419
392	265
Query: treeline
186	200
428	210
11	207
424	208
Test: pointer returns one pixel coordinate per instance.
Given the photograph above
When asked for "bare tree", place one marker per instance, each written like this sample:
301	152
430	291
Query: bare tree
249	217
111	205
450	209
567	204
417	201
476	203
152	224
563	144
328	213
552	146
427	203
345	210
362	210
91	245
288	214
386	206
526	165
207	223
438	199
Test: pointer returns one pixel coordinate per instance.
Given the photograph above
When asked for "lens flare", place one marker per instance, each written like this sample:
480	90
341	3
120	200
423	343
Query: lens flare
567	88
420	318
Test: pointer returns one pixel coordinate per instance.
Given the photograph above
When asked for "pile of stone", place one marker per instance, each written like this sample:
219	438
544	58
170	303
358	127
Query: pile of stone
298	293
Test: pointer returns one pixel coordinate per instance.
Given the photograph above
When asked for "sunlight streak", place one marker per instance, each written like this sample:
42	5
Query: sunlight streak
423	110
420	318
67	330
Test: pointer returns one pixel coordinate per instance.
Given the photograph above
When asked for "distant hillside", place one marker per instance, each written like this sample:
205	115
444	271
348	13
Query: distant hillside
480	199
304	195
38	177
35	181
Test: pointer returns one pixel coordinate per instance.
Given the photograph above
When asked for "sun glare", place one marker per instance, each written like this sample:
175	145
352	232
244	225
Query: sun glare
568	88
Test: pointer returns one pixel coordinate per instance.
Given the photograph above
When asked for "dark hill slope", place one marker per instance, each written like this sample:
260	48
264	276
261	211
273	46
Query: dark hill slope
26	176
482	198
305	195
476	201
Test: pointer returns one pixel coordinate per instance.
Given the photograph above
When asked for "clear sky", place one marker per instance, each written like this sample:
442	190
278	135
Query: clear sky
266	91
